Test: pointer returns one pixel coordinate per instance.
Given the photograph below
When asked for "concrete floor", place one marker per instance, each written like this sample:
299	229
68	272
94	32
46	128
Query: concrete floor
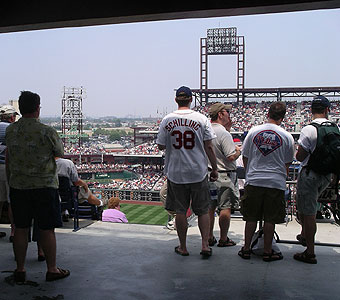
126	261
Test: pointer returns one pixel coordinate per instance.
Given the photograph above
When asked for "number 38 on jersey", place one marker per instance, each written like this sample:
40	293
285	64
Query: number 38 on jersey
184	139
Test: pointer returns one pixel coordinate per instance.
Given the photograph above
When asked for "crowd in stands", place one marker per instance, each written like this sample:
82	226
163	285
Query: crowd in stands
149	178
147	182
149	148
90	168
250	114
88	149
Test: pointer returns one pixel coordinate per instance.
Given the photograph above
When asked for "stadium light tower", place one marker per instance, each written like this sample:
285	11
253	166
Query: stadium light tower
222	41
72	115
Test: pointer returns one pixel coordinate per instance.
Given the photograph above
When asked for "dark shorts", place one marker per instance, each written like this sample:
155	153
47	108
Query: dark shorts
41	204
262	203
180	195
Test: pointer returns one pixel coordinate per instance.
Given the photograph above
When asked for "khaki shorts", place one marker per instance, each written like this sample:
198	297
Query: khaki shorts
163	197
262	203
82	195
309	187
227	192
180	195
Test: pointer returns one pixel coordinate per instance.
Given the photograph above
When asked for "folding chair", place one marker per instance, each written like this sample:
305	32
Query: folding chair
69	199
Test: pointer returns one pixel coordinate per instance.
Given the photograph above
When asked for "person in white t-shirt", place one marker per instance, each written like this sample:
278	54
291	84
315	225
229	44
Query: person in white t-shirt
268	151
310	184
187	137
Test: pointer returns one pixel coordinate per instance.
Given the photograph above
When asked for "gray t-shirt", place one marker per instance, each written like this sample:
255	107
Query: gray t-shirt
224	146
66	168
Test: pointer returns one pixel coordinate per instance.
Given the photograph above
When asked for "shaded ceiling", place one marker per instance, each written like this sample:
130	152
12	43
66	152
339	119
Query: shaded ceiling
42	14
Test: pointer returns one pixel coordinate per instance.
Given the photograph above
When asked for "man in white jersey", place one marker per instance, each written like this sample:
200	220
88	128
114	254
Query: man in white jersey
187	137
310	184
268	151
226	154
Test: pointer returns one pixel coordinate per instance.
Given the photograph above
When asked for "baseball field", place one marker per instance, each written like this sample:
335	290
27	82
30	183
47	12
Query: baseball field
144	214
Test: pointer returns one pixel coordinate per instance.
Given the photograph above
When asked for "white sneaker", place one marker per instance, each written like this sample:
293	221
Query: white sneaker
170	226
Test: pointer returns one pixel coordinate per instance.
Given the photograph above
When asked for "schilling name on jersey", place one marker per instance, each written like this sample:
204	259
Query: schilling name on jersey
182	122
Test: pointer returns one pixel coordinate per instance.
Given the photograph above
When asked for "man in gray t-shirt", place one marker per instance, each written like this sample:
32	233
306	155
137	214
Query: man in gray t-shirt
227	186
66	168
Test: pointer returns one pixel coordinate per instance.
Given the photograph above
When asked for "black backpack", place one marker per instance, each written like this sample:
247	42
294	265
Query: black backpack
325	159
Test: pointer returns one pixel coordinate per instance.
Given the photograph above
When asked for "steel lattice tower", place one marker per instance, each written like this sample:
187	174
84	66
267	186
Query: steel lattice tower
72	115
222	41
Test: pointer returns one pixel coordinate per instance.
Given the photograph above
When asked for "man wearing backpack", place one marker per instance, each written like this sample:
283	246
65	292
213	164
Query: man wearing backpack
312	180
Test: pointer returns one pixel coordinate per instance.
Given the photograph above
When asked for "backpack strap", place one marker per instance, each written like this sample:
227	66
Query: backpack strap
316	125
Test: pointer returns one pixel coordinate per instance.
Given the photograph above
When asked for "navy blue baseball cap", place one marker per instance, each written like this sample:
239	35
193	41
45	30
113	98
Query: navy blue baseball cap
184	92
321	101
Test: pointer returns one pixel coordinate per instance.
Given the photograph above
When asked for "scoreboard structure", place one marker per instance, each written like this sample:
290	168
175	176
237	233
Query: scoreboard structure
222	41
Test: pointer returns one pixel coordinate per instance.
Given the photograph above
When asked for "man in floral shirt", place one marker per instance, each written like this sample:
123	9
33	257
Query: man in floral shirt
31	171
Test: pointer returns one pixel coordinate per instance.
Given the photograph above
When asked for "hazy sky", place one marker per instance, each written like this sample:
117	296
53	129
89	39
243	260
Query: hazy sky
133	69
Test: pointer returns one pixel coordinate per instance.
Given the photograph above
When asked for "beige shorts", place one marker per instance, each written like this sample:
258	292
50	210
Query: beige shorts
310	185
228	193
82	195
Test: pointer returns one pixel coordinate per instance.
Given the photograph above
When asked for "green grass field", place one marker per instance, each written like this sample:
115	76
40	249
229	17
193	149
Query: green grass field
144	214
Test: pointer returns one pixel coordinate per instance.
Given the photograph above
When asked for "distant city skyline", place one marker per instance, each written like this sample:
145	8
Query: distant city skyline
133	69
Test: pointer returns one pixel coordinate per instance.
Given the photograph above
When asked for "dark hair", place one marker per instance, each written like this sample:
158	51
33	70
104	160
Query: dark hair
28	102
318	109
214	117
277	110
183	101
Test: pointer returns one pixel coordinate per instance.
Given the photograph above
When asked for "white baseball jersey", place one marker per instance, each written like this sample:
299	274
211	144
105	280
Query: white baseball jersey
268	148
183	133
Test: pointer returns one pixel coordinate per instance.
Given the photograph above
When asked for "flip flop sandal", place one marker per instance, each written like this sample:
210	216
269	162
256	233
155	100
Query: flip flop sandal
56	276
245	254
19	277
212	241
206	253
41	258
227	243
268	257
305	257
180	252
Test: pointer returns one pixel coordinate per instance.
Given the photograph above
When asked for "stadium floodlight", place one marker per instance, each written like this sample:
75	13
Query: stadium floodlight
222	41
